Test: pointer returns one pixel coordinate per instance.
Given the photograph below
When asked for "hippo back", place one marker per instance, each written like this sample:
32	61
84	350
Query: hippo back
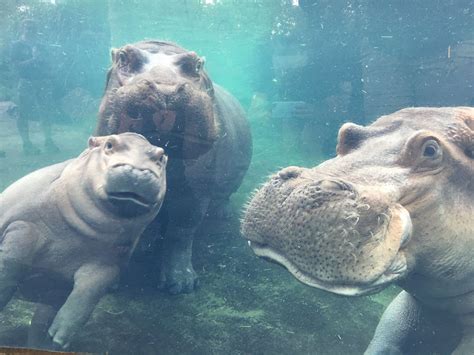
25	193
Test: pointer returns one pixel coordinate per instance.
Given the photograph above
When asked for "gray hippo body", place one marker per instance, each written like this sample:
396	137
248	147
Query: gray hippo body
395	206
67	229
162	91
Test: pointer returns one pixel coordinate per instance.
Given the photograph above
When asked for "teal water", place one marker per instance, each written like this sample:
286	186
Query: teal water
337	61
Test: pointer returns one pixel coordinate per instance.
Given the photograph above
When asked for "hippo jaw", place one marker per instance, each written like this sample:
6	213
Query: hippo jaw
397	269
329	234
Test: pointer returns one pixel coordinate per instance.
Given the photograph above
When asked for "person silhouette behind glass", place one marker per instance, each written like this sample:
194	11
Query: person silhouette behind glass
29	58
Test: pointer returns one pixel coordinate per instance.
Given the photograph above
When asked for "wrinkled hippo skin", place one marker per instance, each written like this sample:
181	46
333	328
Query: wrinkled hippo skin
162	91
67	229
395	205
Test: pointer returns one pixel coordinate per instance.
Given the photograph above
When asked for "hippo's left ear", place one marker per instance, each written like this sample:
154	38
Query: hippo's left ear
469	151
200	63
113	54
470	123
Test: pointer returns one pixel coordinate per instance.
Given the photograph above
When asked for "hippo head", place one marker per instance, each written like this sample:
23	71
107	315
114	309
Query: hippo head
161	91
396	201
127	173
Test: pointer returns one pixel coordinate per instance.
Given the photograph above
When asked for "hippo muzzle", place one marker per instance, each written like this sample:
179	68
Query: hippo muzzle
329	233
133	191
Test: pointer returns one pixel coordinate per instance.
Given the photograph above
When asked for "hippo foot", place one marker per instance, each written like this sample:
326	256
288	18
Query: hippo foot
30	149
61	332
50	146
178	278
220	209
386	350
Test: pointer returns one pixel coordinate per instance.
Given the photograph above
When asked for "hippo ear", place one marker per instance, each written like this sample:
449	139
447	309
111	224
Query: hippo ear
201	62
113	54
129	58
94	142
350	137
470	123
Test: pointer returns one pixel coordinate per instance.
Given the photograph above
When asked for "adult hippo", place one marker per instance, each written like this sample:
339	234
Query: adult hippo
162	91
395	206
66	230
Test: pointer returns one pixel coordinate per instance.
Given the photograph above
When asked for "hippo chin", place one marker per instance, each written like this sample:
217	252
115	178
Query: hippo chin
394	206
67	229
162	91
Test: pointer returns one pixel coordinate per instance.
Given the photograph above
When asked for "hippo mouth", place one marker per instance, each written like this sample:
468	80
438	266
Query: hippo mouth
393	266
395	271
132	191
167	137
129	196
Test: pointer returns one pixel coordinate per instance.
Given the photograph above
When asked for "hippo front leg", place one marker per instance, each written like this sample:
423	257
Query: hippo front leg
177	274
91	281
220	208
466	345
407	327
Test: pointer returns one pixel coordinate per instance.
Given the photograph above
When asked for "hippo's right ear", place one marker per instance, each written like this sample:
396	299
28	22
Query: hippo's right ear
94	142
350	136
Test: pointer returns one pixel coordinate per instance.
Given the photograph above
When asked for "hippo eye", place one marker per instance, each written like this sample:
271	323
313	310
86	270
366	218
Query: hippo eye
122	58
109	145
469	152
431	149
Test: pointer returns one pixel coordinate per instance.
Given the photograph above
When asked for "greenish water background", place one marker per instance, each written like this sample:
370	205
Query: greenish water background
245	305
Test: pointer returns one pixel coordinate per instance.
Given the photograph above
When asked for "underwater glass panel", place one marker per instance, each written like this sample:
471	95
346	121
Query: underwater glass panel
94	257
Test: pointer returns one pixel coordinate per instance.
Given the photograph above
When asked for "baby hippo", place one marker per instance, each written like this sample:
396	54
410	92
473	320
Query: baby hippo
67	229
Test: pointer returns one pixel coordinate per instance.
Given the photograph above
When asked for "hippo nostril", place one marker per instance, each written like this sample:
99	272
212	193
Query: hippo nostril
181	87
332	185
329	185
290	172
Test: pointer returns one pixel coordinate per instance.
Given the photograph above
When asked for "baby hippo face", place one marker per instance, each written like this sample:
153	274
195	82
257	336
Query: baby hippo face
129	174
